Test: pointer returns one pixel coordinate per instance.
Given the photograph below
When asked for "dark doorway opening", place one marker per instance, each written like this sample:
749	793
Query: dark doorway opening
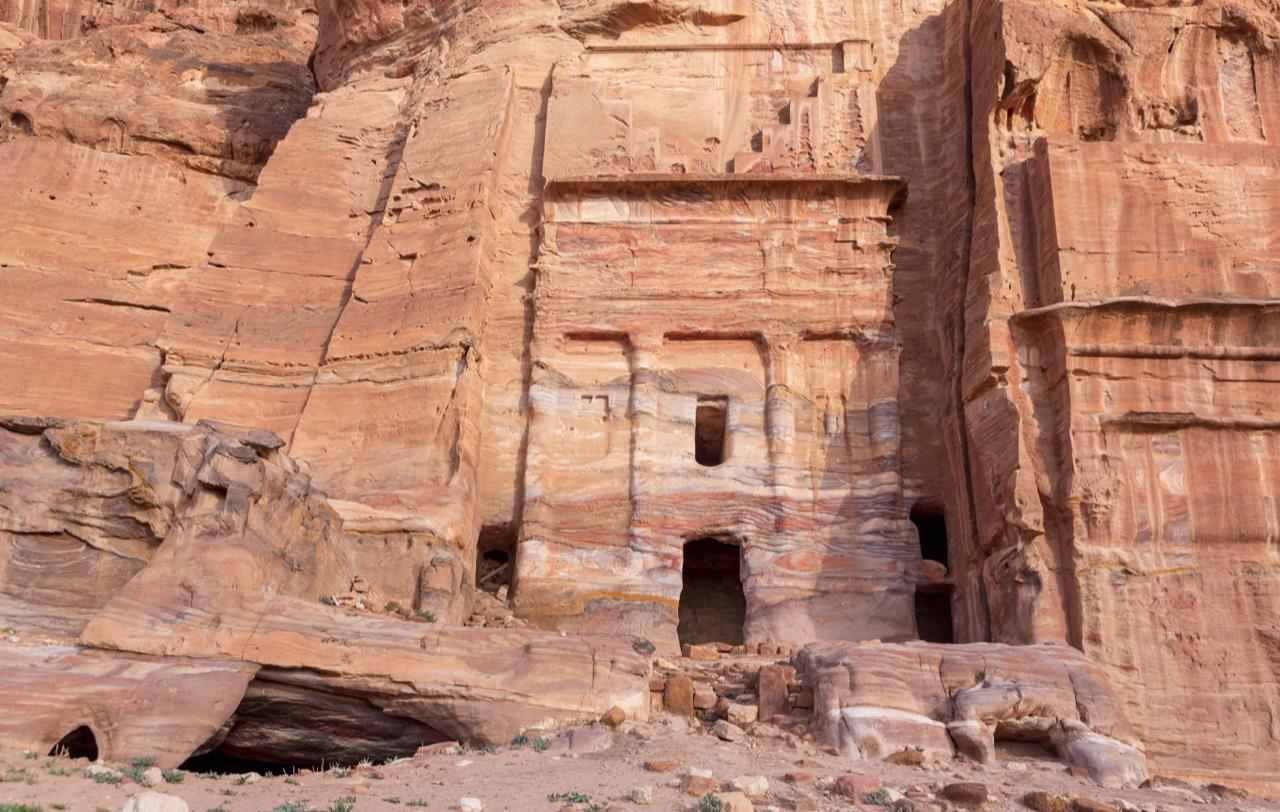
79	743
931	526
713	606
933	614
709	432
496	556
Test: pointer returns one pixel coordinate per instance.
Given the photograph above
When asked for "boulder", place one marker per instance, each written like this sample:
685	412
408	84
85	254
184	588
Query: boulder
966	794
741	715
973	739
753	786
856	785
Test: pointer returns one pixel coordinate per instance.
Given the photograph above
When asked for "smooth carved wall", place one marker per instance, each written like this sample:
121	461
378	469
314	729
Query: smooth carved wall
790	329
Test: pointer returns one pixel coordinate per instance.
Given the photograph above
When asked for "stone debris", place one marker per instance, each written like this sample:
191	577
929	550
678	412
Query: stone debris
966	794
741	715
753	786
152	801
727	731
856	785
151	777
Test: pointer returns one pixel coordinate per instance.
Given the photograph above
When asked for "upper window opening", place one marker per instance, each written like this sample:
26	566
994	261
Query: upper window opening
931	525
710	427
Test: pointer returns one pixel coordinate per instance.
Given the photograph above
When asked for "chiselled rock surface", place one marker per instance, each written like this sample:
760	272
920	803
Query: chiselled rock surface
1117	389
741	322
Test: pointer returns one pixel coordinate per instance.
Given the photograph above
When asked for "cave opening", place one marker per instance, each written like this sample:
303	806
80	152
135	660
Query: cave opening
496	557
931	527
713	605
224	763
79	743
711	424
281	728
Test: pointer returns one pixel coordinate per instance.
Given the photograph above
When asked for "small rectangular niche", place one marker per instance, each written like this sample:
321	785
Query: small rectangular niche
595	406
710	429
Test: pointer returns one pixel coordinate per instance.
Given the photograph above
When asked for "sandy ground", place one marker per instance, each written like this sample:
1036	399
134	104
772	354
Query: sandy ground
523	779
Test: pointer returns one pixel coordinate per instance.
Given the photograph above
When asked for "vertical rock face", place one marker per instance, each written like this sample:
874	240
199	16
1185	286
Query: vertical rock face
852	320
1117	391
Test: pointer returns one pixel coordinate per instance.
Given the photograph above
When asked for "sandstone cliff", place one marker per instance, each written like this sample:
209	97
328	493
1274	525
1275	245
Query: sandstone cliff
669	320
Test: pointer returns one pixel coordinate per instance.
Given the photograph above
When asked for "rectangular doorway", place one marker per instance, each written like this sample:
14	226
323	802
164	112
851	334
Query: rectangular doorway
713	606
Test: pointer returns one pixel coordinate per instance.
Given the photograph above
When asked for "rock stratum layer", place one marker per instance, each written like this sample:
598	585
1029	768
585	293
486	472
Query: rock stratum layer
762	322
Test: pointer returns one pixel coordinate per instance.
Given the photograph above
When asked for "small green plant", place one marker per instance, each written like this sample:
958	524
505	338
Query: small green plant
210	775
31	754
569	797
218	808
58	806
345	804
488	749
292	780
173	776
540	744
416	802
327	600
293	806
140	765
879	797
710	803
52	766
430	617
391	799
597	807
8	630
340	772
16	775
227	792
518	741
391	606
108	778
22	808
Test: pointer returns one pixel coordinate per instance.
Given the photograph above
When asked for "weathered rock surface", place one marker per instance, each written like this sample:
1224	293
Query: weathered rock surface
874	700
1115	387
134	706
232	551
546	295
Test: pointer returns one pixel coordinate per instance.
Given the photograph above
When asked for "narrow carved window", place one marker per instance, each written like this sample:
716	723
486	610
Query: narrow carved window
710	427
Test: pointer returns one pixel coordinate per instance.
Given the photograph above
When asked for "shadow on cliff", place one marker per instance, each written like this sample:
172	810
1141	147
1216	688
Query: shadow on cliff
923	131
